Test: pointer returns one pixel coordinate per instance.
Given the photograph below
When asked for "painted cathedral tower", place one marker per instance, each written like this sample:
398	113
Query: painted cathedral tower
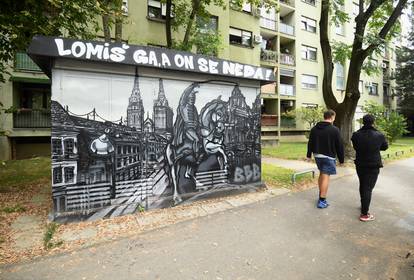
163	114
135	111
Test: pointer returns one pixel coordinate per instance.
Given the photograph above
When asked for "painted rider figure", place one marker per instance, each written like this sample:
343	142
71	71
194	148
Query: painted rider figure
186	138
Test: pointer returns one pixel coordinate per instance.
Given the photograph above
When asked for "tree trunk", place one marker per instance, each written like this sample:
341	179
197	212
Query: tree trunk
168	24
118	29
118	14
345	111
106	28
328	95
191	19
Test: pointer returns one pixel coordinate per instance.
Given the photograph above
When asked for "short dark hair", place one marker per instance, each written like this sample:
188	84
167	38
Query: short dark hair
368	119
328	114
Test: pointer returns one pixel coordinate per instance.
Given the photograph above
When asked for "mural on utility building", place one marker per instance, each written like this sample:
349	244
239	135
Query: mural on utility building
172	141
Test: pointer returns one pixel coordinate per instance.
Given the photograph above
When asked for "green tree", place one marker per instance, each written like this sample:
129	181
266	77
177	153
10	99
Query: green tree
310	115
186	16
21	20
405	76
375	25
112	14
392	124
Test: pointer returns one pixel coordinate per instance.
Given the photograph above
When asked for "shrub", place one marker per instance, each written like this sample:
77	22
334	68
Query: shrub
310	115
391	124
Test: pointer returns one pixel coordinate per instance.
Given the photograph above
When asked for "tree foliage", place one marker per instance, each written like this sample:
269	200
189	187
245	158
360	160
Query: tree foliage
186	19
310	115
405	76
392	124
112	15
21	20
375	26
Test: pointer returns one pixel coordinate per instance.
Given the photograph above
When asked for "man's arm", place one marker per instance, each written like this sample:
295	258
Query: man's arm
339	147
384	144
310	143
354	142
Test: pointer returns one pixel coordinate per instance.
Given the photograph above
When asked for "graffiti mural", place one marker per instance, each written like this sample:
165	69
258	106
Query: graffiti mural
121	142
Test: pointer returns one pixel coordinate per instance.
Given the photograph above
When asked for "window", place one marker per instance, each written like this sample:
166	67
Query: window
125	7
308	24
69	174
373	89
373	62
246	7
56	146
340	30
57	175
361	86
240	37
156	10
207	25
340	76
309	105
309	82
69	145
355	9
309	53
311	2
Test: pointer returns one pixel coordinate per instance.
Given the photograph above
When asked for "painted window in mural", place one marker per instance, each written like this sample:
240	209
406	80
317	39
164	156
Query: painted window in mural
123	141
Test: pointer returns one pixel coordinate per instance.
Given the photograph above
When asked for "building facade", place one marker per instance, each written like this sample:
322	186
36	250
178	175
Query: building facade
285	40
135	111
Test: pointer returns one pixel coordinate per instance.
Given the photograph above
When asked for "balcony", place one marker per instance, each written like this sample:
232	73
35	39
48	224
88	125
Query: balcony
268	56
269	120
287	59
287	90
286	29
386	75
268	23
268	91
288	2
287	122
31	118
23	62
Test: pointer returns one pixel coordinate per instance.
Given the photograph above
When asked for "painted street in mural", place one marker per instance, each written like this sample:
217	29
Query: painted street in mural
121	142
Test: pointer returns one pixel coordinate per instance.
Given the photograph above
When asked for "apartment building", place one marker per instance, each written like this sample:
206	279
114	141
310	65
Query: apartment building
290	42
284	39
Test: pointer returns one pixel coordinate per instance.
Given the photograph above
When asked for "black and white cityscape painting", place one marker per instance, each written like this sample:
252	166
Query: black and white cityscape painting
122	142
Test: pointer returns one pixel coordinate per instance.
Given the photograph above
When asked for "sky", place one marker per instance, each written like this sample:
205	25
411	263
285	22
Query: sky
109	94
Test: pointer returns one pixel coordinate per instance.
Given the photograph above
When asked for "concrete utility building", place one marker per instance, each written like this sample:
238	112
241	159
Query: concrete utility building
286	40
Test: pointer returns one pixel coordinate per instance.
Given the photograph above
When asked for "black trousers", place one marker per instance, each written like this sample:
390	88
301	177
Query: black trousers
367	179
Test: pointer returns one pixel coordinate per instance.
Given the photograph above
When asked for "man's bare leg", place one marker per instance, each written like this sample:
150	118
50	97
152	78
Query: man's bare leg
323	183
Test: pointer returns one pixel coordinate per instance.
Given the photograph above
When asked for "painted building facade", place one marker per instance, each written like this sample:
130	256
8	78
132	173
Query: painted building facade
105	165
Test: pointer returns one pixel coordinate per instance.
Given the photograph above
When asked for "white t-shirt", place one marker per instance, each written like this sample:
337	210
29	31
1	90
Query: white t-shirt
322	156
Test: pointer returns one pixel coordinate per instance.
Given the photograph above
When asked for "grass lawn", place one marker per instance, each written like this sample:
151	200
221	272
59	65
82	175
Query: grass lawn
406	141
280	177
403	144
298	150
16	173
286	150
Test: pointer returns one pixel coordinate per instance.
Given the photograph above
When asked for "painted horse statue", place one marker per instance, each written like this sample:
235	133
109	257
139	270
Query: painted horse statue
212	125
183	151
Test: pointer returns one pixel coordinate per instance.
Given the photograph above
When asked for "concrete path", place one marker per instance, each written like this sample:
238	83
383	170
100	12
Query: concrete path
300	165
284	237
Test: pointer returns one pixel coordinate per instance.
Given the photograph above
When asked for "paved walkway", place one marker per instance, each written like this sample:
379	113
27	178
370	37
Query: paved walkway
284	237
300	165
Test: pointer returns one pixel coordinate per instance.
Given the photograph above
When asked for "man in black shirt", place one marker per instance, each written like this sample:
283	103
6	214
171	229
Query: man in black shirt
325	143
368	142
